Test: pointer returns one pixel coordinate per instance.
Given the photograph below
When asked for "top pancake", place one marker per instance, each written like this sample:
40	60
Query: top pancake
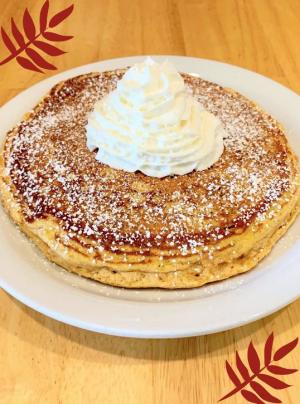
55	175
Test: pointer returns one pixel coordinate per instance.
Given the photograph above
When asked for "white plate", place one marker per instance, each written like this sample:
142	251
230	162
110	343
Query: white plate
26	275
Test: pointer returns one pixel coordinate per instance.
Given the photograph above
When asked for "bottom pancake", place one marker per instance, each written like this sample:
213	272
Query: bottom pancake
261	237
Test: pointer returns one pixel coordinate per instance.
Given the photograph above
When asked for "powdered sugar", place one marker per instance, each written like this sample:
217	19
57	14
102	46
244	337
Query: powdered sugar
55	174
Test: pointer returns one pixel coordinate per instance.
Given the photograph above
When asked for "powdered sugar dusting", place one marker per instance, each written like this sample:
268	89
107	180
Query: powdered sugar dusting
55	174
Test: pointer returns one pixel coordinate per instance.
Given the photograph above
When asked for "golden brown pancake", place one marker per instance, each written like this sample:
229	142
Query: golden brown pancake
131	230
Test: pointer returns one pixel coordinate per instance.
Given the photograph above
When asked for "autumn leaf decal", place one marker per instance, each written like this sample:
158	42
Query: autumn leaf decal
31	44
254	380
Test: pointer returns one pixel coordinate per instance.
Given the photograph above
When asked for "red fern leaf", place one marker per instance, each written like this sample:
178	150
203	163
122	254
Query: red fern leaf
17	34
28	24
272	381
39	60
241	367
27	64
263	393
232	375
260	392
251	397
59	17
44	16
268	349
30	37
49	49
285	349
278	370
253	359
52	36
7	41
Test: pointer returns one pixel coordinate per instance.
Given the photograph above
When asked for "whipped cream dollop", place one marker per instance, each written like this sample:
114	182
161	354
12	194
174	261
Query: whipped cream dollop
152	123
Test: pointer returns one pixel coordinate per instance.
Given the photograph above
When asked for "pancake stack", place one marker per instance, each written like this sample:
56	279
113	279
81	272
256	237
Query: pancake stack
131	230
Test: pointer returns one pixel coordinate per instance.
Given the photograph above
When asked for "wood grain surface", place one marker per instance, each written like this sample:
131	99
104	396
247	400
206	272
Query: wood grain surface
44	361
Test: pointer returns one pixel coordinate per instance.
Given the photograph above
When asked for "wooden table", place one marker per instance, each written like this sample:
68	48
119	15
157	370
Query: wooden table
44	361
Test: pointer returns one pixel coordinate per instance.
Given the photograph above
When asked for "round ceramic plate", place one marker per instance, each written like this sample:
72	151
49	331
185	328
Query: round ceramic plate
45	287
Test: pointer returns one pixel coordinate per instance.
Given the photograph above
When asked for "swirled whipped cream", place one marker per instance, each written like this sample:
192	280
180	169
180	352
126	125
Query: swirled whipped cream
152	123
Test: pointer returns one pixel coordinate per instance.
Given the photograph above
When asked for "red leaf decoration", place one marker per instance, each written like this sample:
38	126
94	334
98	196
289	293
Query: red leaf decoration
232	375
285	349
49	49
278	370
44	16
251	397
27	64
17	34
39	60
35	61
28	24
59	17
260	392
7	41
268	349
241	367
52	36
263	393
272	381
253	359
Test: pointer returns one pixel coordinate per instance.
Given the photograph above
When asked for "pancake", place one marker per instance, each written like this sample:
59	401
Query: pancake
131	230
